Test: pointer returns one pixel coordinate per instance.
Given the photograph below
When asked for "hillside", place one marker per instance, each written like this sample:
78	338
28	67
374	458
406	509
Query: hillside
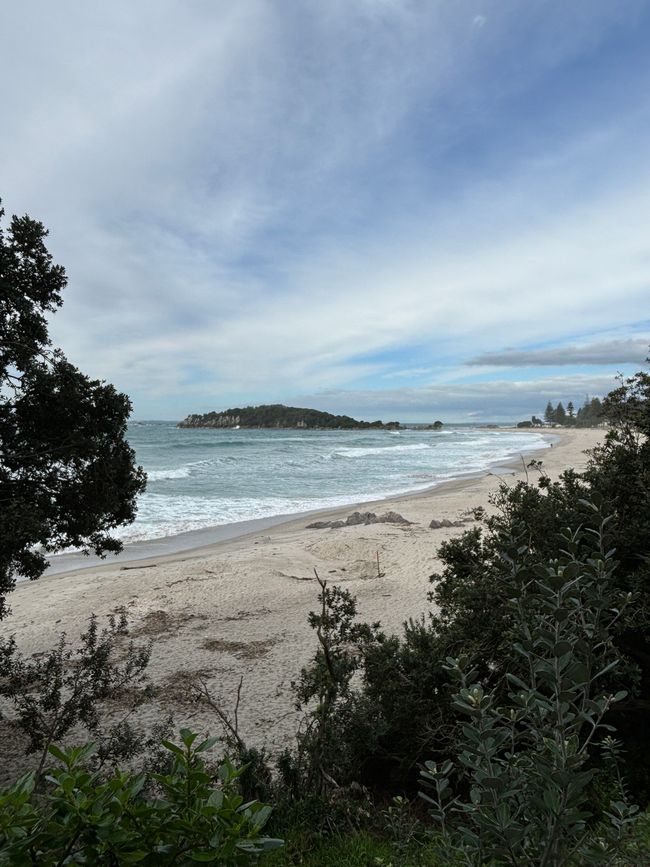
279	416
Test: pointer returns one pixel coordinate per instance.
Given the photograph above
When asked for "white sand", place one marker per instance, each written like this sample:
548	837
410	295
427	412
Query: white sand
240	607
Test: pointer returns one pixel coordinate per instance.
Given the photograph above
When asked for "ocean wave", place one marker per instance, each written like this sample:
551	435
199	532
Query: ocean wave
209	479
380	450
162	475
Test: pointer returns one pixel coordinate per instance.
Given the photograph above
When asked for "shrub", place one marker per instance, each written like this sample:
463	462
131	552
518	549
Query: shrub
527	763
46	697
82	819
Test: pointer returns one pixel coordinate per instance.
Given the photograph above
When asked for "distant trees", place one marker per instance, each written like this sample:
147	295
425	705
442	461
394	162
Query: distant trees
67	474
590	414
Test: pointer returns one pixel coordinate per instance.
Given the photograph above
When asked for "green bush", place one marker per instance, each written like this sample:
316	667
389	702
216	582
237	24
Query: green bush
45	696
177	818
527	763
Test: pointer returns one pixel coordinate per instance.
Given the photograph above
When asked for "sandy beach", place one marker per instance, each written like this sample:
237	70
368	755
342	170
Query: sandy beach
239	607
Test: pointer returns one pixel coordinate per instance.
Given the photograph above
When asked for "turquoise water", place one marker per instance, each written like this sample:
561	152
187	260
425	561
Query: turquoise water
204	478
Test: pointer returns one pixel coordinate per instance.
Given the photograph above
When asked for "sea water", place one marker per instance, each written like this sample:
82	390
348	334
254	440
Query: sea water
199	478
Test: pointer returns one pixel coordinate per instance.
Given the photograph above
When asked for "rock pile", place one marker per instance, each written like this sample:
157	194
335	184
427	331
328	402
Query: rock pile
357	518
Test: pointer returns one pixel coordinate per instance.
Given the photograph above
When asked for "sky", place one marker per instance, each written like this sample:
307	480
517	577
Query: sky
397	209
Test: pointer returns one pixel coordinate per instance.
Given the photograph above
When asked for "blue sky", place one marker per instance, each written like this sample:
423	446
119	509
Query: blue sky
391	208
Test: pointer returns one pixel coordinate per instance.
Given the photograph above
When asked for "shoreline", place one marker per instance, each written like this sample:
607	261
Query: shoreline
238	608
167	548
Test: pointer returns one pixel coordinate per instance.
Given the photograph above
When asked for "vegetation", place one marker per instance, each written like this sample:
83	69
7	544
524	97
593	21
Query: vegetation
44	698
539	636
279	416
67	473
175	818
526	762
590	414
541	705
507	726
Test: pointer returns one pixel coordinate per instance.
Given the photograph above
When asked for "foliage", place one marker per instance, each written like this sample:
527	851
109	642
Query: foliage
277	415
527	762
361	849
403	710
47	696
83	819
67	474
590	414
322	760
255	780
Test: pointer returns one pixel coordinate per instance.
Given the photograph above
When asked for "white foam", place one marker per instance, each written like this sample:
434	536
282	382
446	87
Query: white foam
380	450
269	475
161	475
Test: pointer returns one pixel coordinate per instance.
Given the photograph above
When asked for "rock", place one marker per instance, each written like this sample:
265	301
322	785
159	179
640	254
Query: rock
361	518
393	518
436	525
358	518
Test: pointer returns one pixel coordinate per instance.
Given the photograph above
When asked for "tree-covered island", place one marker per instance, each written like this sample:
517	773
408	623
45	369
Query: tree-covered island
277	415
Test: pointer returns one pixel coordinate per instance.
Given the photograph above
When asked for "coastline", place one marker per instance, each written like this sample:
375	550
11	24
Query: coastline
168	548
238	607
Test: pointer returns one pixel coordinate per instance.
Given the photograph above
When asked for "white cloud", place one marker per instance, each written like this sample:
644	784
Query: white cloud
634	350
497	400
253	202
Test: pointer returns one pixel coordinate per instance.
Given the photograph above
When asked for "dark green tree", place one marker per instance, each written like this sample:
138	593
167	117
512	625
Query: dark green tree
67	474
560	413
549	413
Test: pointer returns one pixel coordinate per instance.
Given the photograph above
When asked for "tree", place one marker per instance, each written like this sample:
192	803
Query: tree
560	414
67	474
549	413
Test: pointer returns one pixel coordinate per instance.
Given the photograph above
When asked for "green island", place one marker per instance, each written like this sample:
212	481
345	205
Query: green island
276	415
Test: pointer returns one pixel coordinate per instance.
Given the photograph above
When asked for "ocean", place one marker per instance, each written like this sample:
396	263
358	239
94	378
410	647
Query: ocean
200	478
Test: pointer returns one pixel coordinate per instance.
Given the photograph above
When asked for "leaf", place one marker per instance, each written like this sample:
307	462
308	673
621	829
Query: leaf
268	844
516	680
561	648
58	753
207	744
261	817
173	748
216	798
188	737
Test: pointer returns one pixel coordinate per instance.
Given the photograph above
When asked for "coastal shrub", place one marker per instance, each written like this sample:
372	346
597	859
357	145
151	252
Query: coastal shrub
324	689
44	697
255	781
405	707
84	819
67	473
526	762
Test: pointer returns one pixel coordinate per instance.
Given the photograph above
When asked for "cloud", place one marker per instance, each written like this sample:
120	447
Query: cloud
630	351
254	201
496	400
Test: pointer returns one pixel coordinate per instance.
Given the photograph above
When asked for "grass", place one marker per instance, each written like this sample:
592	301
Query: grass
356	850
